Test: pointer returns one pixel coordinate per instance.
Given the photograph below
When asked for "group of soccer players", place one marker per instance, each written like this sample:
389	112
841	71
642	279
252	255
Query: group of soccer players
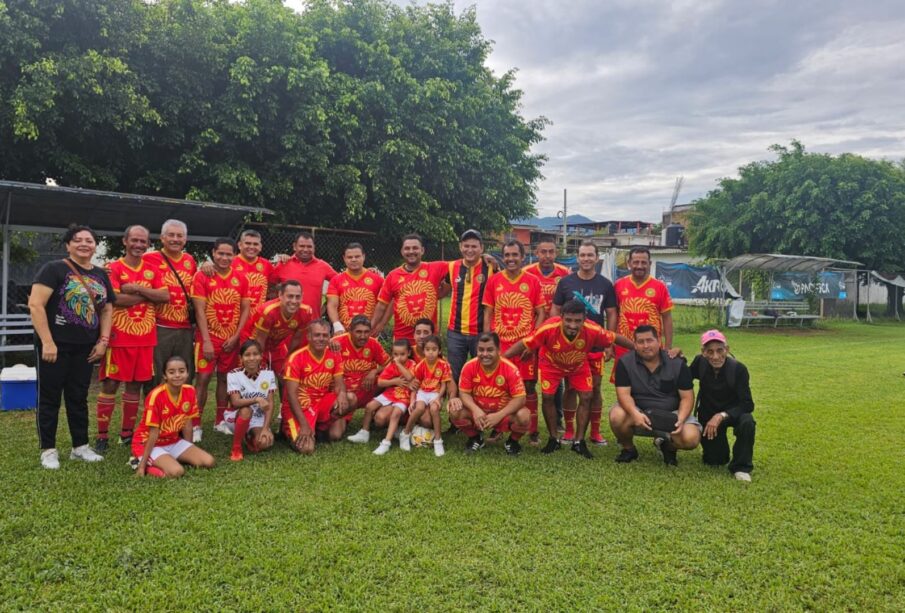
256	327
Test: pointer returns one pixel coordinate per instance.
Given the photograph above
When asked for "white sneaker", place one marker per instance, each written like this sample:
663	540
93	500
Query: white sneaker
222	428
405	441
362	436
196	434
742	476
383	447
85	454
50	459
438	448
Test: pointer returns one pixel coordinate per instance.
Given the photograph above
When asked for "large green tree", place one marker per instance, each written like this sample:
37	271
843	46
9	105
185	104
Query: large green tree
357	114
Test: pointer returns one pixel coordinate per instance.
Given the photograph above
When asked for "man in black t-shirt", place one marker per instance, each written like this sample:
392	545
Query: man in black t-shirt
656	397
597	294
724	401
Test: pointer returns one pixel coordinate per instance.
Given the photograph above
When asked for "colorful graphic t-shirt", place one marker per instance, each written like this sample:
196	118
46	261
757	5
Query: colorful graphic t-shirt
568	355
268	318
72	315
548	282
260	387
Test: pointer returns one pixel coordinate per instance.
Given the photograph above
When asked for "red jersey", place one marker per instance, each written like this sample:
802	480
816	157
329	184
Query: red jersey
468	286
134	326
414	295
166	413
268	318
314	376
568	355
358	362
357	295
175	313
431	377
641	304
491	390
256	273
513	303
398	393
548	282
311	275
223	295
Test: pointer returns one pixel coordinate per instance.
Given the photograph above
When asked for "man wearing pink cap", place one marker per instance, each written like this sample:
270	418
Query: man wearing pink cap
724	401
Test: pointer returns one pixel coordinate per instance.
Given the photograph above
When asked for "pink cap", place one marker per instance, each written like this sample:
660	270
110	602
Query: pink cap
712	335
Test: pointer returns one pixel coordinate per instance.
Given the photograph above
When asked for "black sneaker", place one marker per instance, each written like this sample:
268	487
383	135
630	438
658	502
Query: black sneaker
512	447
452	430
474	443
627	455
125	440
581	448
100	445
551	446
668	450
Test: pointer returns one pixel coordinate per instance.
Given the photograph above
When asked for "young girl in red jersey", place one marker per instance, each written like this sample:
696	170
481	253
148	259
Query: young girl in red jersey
169	410
433	374
398	383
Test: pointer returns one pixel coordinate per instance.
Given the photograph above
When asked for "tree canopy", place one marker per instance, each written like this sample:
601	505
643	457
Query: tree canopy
354	114
844	207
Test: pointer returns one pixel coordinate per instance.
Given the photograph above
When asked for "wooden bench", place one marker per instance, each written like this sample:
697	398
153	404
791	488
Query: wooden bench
14	329
776	312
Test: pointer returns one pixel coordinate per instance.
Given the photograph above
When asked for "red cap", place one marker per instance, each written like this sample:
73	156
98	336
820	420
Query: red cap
712	335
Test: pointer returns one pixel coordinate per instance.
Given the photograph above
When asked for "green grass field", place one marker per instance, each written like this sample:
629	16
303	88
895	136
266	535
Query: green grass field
820	528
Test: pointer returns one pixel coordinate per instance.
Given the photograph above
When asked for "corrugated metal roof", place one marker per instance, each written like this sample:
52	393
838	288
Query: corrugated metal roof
778	262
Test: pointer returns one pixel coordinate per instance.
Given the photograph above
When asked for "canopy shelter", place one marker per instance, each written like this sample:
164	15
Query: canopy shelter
776	262
894	283
31	207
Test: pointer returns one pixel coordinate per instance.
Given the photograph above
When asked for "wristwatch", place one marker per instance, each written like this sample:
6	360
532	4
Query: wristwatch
725	415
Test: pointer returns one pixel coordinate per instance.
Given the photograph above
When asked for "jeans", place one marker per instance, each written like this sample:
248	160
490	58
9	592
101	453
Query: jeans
459	348
716	451
67	378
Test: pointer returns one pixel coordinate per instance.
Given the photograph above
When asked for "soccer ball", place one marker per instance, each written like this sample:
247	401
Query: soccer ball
422	437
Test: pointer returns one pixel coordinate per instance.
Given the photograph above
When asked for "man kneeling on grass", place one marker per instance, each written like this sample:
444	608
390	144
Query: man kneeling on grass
724	401
493	398
656	396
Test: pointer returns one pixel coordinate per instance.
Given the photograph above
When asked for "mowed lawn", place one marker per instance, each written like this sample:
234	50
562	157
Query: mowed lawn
821	527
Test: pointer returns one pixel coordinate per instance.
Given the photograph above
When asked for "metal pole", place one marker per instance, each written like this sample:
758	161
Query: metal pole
565	215
6	252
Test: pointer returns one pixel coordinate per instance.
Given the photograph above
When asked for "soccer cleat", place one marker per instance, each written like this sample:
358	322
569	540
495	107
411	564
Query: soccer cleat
50	459
627	455
742	476
222	428
439	451
383	447
512	447
551	446
534	439
196	434
405	441
85	454
598	440
581	448
100	445
668	450
362	436
474	443
125	440
133	462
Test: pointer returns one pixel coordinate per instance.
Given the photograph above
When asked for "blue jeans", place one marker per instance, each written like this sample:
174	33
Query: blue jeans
459	348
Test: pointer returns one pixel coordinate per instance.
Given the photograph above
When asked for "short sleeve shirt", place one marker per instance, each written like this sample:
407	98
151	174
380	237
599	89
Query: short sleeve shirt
356	295
260	387
414	295
398	393
491	390
513	303
268	318
175	313
314	376
256	274
548	282
166	413
311	275
357	363
430	377
568	355
223	295
597	293
134	326
641	304
72	315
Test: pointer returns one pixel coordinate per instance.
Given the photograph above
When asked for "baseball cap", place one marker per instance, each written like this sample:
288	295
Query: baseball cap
471	233
712	335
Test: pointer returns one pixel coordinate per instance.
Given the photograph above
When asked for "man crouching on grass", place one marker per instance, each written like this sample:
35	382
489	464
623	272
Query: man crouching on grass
656	396
315	391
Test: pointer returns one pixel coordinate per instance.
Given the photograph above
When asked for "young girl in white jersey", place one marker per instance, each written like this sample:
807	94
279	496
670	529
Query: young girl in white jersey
251	393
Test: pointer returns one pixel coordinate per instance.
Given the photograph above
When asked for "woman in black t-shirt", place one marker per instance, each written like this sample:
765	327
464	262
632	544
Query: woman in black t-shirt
71	310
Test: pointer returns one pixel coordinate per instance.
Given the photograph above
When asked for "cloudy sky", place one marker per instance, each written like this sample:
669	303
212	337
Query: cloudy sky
643	91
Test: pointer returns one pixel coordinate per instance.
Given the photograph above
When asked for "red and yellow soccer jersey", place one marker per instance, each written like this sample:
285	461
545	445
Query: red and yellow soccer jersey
268	317
641	304
358	362
431	377
549	282
134	326
357	295
513	303
166	413
223	295
314	376
256	274
491	390
175	313
467	285
414	295
559	351
397	393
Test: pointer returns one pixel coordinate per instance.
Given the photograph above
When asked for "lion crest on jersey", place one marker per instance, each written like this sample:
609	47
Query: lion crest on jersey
177	308
635	312
513	316
222	312
136	320
416	299
356	301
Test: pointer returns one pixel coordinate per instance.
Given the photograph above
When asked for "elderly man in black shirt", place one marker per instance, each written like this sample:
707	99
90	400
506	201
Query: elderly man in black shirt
724	401
656	396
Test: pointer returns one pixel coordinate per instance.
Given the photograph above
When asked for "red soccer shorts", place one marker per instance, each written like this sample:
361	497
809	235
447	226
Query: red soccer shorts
223	361
551	376
595	363
128	364
318	416
276	359
527	368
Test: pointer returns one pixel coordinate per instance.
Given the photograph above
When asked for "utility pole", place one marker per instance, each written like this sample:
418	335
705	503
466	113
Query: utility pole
565	215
